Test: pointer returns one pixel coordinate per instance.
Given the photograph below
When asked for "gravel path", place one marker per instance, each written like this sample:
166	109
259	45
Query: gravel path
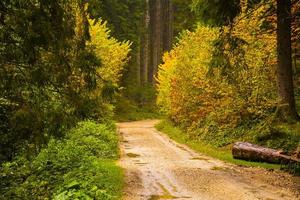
159	168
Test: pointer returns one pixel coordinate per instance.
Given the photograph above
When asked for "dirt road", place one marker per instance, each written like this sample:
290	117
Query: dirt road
159	168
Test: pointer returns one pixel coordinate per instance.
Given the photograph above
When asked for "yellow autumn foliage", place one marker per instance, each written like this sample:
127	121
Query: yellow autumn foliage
112	53
195	94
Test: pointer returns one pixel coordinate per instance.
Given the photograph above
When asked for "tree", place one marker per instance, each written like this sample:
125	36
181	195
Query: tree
157	36
35	68
47	72
220	12
145	44
223	12
285	72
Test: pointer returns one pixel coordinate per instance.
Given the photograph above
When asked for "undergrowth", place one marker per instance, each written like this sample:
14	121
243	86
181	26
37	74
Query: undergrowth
277	135
138	109
205	147
80	166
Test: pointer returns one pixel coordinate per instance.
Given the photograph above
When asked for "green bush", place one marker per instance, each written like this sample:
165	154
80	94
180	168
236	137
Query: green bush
82	166
97	139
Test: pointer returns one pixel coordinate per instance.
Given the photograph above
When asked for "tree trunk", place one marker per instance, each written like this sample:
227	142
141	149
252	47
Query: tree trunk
82	24
167	24
287	105
248	151
145	45
156	35
295	62
161	34
151	38
138	63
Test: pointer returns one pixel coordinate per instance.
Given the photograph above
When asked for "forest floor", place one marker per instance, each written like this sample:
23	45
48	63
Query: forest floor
157	167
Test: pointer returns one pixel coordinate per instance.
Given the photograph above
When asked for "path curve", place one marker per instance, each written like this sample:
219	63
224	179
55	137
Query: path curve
156	167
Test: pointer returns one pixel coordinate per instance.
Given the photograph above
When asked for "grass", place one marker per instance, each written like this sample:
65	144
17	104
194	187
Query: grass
223	154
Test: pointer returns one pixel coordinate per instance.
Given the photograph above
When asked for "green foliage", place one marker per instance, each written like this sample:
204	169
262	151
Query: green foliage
123	16
278	136
184	17
34	69
105	144
137	103
128	110
81	166
54	72
219	12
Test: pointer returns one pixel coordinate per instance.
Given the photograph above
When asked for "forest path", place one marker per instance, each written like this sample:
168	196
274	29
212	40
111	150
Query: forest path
156	167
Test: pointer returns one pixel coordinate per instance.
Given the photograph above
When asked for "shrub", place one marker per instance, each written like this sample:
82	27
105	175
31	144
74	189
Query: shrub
80	166
219	83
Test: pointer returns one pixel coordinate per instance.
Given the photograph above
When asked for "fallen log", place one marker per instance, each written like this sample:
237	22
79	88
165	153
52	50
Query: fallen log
252	152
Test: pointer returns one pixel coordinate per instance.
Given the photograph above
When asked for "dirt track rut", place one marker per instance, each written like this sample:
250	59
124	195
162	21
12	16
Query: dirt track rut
159	168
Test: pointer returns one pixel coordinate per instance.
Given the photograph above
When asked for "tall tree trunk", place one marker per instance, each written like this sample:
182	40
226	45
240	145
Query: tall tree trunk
295	63
160	34
152	10
167	21
145	45
138	63
156	37
82	24
287	106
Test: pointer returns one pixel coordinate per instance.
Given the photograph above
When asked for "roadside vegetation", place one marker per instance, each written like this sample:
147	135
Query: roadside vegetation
80	166
222	153
219	84
60	72
139	104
